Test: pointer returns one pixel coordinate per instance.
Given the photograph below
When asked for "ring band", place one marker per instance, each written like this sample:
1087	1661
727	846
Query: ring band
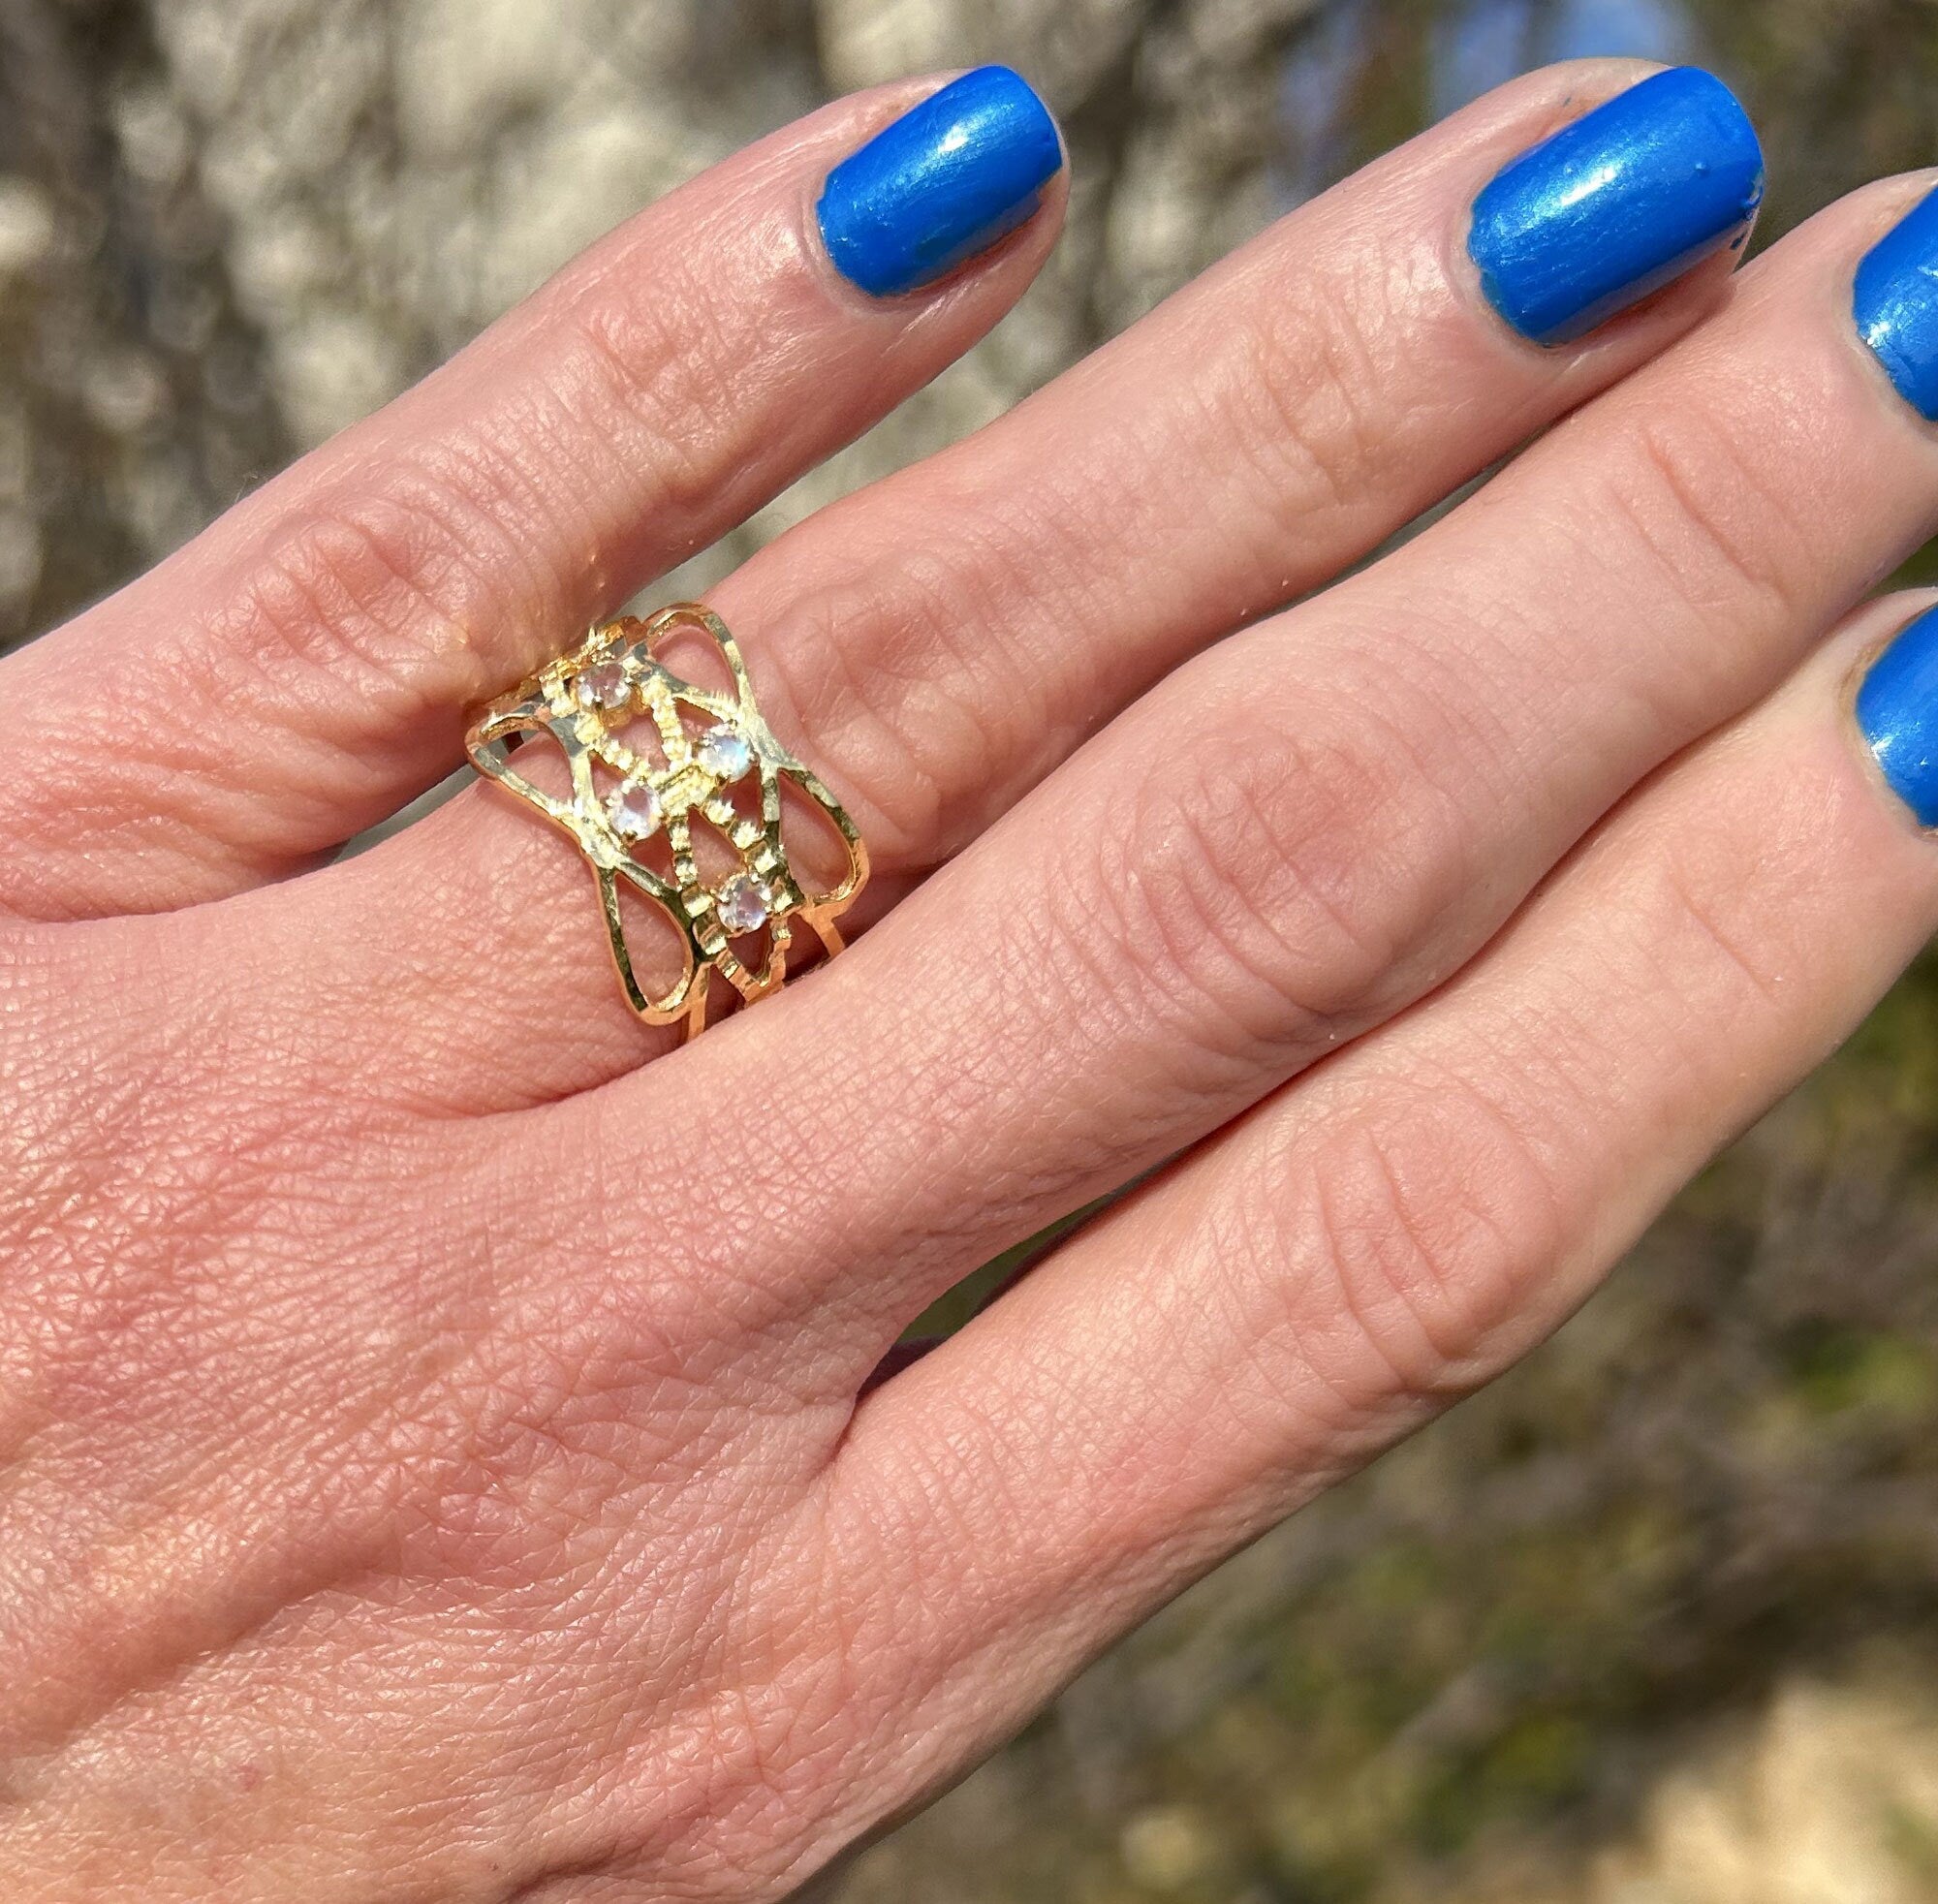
648	754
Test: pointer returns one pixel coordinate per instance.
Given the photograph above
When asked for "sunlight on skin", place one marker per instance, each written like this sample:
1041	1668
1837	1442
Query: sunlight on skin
444	1437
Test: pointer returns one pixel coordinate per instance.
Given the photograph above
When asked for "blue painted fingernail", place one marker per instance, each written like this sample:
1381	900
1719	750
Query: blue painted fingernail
1896	306
1897	709
944	182
1618	205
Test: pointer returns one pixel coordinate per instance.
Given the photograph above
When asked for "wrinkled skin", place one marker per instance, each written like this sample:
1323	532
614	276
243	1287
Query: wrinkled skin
438	1456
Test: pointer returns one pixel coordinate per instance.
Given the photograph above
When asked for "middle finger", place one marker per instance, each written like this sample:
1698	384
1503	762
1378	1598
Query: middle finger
935	645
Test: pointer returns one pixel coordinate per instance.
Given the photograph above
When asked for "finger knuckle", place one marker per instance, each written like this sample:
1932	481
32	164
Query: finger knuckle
1408	1240
1307	412
1269	876
1692	917
642	370
392	591
1706	515
913	710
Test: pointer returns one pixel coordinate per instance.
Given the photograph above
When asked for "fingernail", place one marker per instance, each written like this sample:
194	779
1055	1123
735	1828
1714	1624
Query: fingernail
944	182
1896	306
1618	205
1897	710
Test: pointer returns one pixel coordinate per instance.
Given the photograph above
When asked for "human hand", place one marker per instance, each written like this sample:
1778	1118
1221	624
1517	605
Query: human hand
437	1453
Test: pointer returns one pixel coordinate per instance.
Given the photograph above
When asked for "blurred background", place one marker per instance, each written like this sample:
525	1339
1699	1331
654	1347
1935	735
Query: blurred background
1654	1622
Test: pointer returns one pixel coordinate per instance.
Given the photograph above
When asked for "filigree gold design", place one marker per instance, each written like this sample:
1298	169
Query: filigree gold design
585	700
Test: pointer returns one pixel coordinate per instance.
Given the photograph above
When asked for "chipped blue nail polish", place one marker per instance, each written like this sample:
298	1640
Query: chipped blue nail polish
1895	305
1897	710
943	183
1616	206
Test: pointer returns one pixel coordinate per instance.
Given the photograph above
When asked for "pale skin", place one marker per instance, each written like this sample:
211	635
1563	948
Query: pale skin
437	1452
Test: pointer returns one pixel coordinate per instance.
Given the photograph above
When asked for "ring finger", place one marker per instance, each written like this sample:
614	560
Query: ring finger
1293	838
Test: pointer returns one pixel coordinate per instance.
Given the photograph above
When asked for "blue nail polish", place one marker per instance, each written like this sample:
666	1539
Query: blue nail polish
1896	306
1897	709
944	182
1618	205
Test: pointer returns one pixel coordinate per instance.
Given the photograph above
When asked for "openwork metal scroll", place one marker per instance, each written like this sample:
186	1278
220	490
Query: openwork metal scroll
649	756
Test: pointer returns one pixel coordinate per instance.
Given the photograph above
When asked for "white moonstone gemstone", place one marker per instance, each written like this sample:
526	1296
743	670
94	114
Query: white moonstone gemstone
604	685
635	811
743	905
724	753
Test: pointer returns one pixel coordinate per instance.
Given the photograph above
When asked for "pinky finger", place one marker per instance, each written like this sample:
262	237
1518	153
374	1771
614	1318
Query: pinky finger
1383	1237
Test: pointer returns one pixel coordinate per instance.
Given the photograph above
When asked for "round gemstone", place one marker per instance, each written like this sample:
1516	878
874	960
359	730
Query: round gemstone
725	754
635	811
743	904
604	685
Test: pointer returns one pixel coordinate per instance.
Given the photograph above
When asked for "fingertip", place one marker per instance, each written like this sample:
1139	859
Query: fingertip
1616	206
941	185
1895	706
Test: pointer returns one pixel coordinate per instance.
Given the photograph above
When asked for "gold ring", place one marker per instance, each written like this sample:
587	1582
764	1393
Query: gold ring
649	756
